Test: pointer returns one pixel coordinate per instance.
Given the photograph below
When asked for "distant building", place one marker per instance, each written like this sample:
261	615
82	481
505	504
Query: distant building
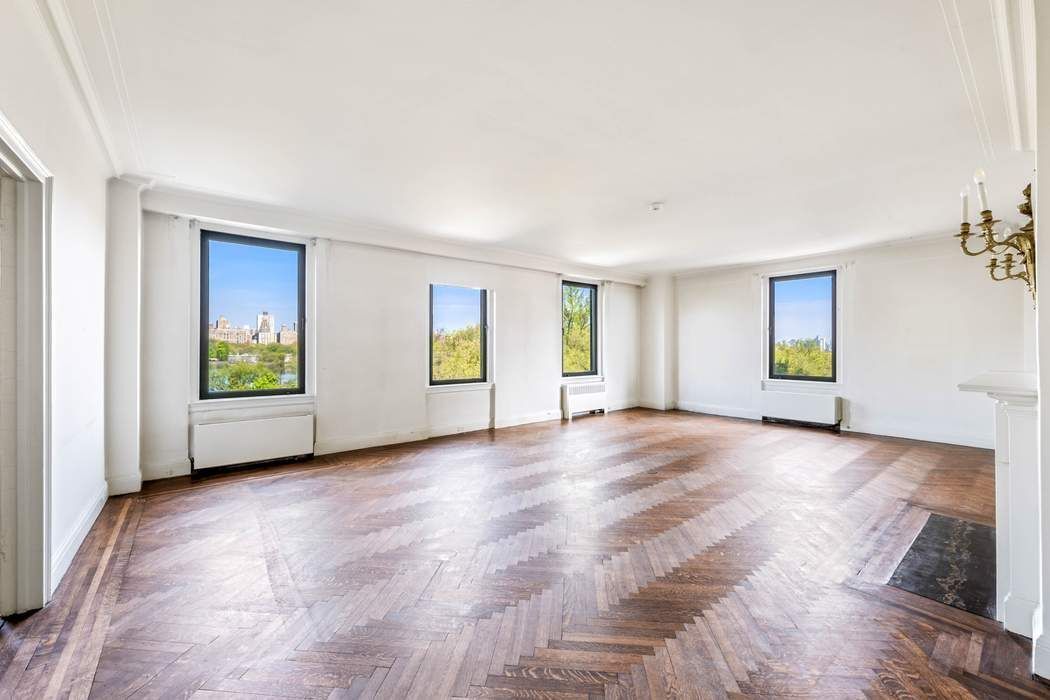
222	330
287	336
265	328
243	357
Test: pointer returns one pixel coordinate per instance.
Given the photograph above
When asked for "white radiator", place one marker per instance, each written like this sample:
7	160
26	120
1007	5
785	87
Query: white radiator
242	441
825	409
578	397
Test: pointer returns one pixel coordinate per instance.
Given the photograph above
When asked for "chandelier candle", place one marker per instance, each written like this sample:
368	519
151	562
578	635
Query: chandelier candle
1013	253
982	194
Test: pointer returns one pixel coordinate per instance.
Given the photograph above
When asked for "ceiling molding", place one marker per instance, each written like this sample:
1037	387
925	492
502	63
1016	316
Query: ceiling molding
120	83
56	18
964	62
1014	24
219	209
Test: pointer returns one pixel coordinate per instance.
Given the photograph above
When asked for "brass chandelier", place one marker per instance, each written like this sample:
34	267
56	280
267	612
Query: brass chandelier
1013	253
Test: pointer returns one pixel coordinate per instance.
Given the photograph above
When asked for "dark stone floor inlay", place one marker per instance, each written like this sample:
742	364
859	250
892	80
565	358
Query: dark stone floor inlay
952	561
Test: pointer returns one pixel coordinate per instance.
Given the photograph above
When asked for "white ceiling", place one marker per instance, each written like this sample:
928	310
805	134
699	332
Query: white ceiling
769	128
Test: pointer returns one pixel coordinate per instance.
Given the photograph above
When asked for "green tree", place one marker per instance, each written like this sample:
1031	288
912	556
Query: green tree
242	376
218	350
803	357
457	354
576	329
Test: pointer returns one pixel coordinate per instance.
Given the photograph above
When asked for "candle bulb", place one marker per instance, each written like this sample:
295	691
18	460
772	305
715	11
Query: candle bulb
982	193
965	197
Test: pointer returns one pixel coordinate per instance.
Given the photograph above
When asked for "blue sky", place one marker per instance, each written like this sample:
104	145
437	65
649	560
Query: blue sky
246	280
803	308
456	307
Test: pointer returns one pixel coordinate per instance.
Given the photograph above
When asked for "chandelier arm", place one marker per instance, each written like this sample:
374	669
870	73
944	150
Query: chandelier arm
965	248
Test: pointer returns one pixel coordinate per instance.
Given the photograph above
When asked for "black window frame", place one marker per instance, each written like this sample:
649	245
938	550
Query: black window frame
593	371
300	248
771	349
484	310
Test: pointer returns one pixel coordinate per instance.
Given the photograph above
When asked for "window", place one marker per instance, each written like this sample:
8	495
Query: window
252	316
802	327
457	335
579	329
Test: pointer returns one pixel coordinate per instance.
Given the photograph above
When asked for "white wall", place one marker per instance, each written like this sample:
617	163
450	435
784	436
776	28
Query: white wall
658	343
916	320
123	320
39	99
371	327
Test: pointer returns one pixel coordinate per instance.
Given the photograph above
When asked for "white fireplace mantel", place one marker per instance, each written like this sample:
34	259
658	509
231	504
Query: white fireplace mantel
1017	544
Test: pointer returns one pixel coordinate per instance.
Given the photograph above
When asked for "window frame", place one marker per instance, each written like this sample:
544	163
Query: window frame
771	327
206	236
484	319
593	372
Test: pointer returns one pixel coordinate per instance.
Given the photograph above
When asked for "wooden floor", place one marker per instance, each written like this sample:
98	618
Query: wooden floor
638	554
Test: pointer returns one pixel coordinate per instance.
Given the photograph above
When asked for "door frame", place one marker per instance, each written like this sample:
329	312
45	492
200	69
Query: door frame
32	536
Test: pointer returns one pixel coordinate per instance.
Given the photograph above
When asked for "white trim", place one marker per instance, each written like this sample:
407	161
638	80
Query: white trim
1013	22
359	442
152	472
65	552
528	418
289	401
219	209
964	62
909	433
453	388
397	437
32	539
715	410
55	16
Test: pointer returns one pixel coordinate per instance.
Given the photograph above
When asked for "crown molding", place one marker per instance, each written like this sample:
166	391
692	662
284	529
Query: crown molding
1015	41
245	214
964	62
55	16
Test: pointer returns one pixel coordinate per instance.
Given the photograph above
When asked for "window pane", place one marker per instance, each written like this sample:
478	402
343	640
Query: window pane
803	326
458	337
253	317
577	329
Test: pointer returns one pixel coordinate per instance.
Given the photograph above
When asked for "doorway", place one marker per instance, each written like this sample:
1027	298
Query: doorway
25	360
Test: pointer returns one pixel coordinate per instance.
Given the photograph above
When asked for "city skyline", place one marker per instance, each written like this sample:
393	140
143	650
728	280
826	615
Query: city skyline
267	330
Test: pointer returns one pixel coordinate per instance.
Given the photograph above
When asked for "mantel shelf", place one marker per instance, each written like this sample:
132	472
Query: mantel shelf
1018	384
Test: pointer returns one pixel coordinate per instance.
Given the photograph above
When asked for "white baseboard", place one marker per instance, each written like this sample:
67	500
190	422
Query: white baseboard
442	430
643	403
165	470
326	446
624	405
1041	656
525	419
360	442
728	411
924	435
64	553
124	483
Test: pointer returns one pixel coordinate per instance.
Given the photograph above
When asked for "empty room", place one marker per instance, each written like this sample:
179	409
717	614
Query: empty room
549	350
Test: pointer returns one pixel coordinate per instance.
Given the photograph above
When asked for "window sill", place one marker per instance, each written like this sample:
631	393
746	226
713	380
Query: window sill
583	378
204	406
802	386
453	388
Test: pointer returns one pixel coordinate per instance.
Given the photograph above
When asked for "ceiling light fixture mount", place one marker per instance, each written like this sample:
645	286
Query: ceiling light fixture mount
1013	253
655	206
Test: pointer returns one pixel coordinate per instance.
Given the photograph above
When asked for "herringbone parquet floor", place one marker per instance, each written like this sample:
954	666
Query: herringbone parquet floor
639	554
